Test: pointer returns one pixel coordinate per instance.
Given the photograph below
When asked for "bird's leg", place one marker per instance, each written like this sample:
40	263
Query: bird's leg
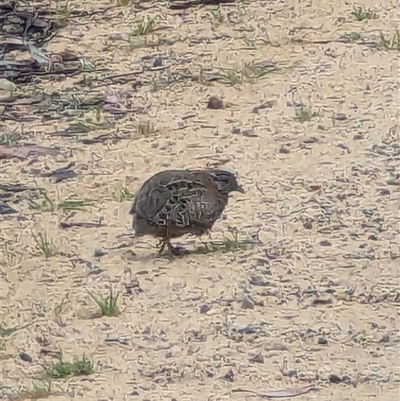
175	250
172	251
162	243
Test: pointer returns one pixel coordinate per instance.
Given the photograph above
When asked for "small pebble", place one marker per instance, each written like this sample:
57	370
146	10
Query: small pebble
385	338
25	357
284	150
325	243
247	303
322	301
257	359
99	253
259	281
205	308
267	105
384	192
115	37
315	187
340	117
243	329
158	62
249	133
215	103
335	379
5	209
230	377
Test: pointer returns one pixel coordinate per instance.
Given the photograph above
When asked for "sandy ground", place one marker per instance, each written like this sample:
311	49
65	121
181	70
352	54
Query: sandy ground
319	296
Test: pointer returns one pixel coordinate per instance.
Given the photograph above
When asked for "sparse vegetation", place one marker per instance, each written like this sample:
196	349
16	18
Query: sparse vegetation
390	42
73	204
78	367
6	331
146	128
46	204
59	308
124	3
144	27
253	71
304	113
231	77
249	72
2	347
233	244
350	37
108	305
218	16
362	13
40	390
13	257
124	195
44	245
64	12
9	139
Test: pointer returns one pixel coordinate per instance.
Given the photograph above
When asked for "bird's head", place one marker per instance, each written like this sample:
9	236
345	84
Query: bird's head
225	181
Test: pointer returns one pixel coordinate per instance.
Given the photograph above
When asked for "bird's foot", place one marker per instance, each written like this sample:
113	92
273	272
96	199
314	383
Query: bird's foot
176	250
161	244
172	251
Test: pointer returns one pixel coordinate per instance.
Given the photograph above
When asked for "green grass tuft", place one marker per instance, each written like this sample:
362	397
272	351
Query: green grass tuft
362	13
44	245
304	113
78	367
108	305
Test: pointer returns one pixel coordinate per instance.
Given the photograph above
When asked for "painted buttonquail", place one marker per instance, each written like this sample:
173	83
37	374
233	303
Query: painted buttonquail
172	203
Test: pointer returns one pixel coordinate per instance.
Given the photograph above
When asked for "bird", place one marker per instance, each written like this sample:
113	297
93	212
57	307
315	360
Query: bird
172	203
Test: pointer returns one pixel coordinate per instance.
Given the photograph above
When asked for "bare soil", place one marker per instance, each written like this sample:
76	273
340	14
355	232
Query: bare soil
311	127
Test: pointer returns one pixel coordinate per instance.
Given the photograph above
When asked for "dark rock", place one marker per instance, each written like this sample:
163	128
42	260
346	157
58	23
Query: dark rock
247	303
322	341
340	117
205	308
25	357
215	103
158	62
325	243
335	379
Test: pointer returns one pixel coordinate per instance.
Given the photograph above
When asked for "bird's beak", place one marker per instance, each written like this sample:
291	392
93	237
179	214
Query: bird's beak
240	189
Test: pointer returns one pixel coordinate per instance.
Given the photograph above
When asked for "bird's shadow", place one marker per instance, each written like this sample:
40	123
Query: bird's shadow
183	252
204	249
224	246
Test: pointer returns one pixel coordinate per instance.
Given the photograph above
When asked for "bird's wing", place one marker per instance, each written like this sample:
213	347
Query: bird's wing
179	198
196	206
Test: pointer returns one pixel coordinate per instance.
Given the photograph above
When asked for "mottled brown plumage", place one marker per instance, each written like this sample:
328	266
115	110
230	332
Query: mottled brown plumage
176	202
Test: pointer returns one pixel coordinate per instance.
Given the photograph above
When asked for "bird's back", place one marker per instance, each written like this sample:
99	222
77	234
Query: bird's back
177	202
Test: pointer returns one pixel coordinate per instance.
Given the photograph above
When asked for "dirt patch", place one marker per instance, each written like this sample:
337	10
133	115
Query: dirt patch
301	101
